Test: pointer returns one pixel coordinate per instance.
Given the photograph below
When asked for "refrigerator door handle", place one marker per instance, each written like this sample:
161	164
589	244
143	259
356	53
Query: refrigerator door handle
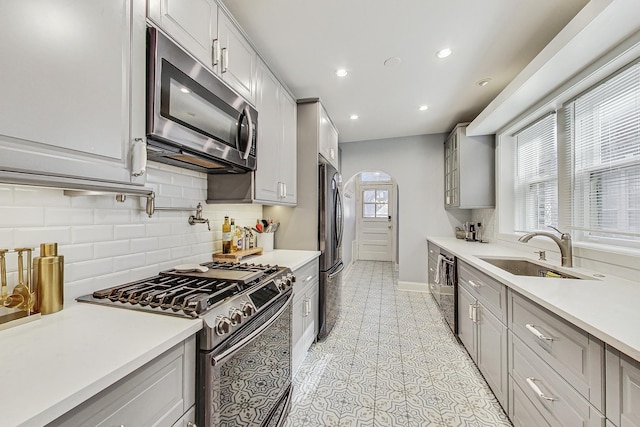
334	274
338	218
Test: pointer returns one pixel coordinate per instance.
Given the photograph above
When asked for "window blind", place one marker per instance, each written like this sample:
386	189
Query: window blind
603	128
536	175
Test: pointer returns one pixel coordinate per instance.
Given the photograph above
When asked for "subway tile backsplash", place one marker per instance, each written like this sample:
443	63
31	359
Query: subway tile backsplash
106	243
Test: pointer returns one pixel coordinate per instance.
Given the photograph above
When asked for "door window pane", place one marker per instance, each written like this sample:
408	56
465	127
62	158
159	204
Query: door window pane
369	210
375	203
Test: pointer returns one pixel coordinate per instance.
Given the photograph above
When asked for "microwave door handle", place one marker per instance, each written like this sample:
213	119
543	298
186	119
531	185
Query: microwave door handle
247	113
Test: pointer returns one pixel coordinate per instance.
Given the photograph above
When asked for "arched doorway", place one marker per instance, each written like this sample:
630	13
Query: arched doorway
371	217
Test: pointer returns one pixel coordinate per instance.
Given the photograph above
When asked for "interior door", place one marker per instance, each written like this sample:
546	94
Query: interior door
375	222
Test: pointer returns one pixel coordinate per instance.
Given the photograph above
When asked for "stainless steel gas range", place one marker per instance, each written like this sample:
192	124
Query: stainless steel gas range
244	358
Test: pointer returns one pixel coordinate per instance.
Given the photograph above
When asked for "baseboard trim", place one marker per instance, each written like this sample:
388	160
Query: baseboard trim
413	286
347	269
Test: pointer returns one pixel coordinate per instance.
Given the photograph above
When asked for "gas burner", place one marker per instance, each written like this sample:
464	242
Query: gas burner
193	294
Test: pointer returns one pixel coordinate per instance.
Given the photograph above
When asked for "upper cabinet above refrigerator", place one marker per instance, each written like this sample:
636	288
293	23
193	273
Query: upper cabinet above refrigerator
469	180
328	139
73	93
209	34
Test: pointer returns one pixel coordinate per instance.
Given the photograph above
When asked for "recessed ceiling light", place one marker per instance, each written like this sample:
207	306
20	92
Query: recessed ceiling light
483	82
354	117
390	62
184	90
341	72
423	107
443	53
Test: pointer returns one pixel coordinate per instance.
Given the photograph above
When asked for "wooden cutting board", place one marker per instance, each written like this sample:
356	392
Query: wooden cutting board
236	256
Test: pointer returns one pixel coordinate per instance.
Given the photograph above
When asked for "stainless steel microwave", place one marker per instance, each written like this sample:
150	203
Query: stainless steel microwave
193	119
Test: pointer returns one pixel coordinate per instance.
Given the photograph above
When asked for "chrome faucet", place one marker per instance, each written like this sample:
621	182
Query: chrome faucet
563	242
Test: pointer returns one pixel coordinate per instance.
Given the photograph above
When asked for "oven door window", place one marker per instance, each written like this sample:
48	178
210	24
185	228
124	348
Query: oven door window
253	380
184	101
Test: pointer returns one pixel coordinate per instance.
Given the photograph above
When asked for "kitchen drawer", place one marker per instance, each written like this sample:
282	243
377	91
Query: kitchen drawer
158	393
434	251
522	412
305	276
623	389
491	293
558	403
574	354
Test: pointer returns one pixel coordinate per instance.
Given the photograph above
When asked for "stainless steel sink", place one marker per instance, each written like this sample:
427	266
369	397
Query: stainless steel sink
523	267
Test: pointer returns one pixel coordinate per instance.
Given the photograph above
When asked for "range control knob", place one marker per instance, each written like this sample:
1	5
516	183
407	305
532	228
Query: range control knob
223	325
235	315
248	309
291	277
281	284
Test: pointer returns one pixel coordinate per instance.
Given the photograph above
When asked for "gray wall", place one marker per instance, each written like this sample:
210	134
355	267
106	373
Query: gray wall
416	163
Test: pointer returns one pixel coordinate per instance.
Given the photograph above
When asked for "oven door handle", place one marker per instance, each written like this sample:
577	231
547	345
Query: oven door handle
215	360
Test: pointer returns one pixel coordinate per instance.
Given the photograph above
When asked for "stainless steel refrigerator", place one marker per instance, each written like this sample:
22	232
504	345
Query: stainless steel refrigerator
330	227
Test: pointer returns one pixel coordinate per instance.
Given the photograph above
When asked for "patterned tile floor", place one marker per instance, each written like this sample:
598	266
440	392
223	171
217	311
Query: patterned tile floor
390	361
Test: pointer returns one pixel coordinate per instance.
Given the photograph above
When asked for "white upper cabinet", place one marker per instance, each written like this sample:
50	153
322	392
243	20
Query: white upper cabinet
205	31
192	23
288	155
275	177
72	89
237	59
328	142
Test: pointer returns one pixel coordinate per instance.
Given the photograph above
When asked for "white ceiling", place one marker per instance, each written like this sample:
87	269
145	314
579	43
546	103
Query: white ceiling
305	41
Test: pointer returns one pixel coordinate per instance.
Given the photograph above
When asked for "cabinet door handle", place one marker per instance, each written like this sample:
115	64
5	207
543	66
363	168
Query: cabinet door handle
474	284
284	190
215	60
139	157
537	390
474	312
225	59
471	312
537	333
307	307
332	153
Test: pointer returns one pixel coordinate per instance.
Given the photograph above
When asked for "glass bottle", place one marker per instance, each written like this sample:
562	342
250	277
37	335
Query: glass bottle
226	236
234	242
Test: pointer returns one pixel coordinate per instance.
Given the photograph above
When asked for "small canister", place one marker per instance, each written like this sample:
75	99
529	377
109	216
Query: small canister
48	279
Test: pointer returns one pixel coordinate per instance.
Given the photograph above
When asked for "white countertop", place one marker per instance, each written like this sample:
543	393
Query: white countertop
607	308
53	364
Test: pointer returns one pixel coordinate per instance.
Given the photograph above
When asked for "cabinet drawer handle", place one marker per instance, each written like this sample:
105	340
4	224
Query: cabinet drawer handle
537	390
474	284
537	333
431	269
308	278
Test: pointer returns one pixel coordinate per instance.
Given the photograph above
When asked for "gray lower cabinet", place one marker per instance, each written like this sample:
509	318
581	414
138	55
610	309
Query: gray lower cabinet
574	354
305	311
622	389
160	393
538	391
485	338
